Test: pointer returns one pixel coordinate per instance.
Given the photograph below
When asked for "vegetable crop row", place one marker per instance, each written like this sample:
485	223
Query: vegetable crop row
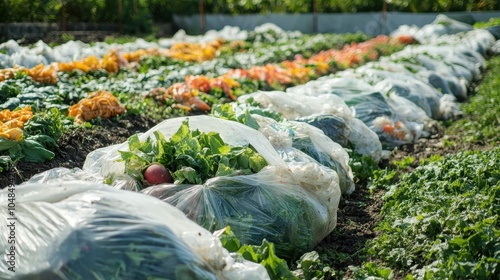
52	100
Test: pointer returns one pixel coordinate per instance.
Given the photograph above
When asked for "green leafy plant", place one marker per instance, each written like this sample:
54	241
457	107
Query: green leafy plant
441	220
490	23
310	266
41	133
191	156
263	254
225	111
362	166
371	270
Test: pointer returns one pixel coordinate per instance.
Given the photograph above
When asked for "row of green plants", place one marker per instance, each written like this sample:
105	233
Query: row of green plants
50	102
441	219
143	12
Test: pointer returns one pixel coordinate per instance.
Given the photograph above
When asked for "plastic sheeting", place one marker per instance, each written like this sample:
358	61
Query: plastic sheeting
86	230
365	141
397	95
291	202
373	24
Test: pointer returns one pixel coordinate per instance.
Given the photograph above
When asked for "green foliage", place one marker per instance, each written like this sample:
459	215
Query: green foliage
138	14
41	133
328	6
310	266
31	149
120	39
51	123
441	220
490	23
442	5
264	254
225	111
362	167
5	163
65	37
383	178
8	89
29	11
371	270
191	156
404	163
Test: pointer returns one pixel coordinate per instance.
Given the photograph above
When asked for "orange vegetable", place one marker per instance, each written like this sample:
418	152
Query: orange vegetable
185	96
12	123
195	51
43	74
99	104
388	128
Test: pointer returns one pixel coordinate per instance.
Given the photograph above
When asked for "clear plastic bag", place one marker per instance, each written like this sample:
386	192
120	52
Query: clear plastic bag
292	204
392	128
61	174
420	93
296	137
105	161
267	205
305	134
448	108
332	126
85	230
367	104
409	110
447	84
332	85
442	25
295	105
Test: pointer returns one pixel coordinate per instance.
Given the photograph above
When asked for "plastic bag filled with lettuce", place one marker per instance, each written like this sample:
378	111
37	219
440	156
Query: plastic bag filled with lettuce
382	114
295	105
299	142
293	205
86	230
302	135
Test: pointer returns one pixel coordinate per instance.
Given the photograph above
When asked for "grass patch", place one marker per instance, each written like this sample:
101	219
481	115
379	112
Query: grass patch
441	221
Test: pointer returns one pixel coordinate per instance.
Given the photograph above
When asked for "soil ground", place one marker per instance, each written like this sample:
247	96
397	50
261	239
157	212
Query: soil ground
76	144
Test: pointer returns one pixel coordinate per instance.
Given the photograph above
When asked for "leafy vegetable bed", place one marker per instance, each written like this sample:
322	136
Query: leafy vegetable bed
150	84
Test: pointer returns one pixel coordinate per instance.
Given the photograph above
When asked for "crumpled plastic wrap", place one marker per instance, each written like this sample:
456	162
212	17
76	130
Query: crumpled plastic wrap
295	137
291	203
295	105
87	230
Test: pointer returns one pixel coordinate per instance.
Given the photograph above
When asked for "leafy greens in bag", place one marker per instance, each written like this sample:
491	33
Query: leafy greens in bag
192	157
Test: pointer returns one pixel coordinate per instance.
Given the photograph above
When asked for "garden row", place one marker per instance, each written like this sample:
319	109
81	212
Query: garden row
441	219
67	92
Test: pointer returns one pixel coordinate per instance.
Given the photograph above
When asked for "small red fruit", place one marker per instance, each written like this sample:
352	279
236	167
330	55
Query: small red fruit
388	128
157	174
